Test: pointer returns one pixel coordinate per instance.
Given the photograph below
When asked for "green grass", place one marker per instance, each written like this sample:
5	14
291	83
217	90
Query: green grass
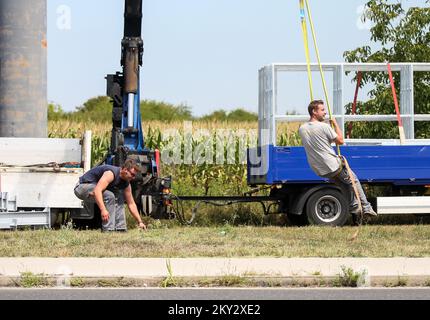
31	280
224	241
348	278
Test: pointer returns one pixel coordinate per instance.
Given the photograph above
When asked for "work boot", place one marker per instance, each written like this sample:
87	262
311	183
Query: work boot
371	212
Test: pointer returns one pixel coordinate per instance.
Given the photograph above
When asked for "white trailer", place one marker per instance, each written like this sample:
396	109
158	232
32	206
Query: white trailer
37	178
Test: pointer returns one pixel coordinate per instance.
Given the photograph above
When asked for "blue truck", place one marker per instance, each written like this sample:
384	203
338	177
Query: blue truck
401	172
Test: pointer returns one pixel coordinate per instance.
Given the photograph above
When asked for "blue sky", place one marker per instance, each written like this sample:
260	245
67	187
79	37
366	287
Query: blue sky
203	53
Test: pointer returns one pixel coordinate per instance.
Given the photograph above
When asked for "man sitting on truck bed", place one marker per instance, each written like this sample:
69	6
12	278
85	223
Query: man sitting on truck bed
317	137
108	186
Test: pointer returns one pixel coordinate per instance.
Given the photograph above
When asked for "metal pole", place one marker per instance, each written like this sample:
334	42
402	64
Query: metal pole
86	150
23	68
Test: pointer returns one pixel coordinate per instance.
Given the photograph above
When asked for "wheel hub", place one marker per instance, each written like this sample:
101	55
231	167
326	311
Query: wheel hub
328	208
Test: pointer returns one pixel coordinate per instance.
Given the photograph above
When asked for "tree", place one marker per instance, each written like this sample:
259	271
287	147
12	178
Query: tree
55	112
97	109
242	115
155	110
233	116
217	115
402	36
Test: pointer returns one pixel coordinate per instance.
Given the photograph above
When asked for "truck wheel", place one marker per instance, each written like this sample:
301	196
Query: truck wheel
327	207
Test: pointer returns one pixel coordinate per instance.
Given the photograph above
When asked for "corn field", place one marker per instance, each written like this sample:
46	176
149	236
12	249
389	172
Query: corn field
193	178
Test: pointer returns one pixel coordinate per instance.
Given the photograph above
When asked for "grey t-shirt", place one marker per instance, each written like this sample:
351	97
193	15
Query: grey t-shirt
317	138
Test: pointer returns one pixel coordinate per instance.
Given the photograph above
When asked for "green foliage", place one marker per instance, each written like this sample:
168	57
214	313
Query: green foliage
99	148
99	109
55	112
203	179
77	282
95	110
242	115
155	110
31	280
207	179
289	139
231	281
401	36
170	280
232	116
348	278
218	115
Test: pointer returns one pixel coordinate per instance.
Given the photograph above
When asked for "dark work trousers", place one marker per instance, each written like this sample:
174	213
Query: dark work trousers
344	182
114	203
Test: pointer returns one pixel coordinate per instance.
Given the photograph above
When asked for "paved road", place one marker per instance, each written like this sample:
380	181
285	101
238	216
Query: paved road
217	294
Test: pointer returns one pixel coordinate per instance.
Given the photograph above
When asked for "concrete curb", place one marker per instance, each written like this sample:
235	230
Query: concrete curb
207	282
212	272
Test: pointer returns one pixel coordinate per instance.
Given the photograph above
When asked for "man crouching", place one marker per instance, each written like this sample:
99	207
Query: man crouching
108	186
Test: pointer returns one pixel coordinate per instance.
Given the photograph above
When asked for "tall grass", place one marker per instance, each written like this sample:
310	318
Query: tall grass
222	241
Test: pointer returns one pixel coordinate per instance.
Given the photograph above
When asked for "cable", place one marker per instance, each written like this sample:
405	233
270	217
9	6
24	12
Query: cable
180	212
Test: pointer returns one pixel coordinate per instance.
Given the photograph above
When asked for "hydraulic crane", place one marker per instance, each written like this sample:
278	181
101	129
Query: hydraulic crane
151	192
123	88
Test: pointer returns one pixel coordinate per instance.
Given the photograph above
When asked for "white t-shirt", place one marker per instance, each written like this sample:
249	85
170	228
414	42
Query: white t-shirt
317	138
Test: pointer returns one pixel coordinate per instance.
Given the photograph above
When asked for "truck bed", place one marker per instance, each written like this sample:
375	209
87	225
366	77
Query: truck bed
398	165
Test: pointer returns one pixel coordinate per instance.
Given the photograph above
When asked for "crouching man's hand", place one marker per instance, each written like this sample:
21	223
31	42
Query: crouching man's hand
142	226
105	215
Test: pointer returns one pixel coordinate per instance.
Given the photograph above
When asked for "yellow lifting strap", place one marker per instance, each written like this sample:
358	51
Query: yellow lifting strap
305	40
306	44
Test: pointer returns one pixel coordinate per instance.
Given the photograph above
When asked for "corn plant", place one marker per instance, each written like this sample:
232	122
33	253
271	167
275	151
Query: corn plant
211	178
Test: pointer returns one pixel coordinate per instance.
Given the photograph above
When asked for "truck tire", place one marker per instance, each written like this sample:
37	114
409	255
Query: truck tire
327	207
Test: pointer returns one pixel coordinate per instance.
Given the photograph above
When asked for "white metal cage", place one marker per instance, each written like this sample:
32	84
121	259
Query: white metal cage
268	98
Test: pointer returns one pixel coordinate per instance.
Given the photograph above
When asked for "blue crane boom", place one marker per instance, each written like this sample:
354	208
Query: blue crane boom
150	191
124	89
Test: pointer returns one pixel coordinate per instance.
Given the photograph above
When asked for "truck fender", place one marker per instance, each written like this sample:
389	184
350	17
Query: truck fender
299	203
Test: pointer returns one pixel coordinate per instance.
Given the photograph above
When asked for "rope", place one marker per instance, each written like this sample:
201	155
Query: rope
354	104
357	195
354	186
308	9
303	20
306	44
396	105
